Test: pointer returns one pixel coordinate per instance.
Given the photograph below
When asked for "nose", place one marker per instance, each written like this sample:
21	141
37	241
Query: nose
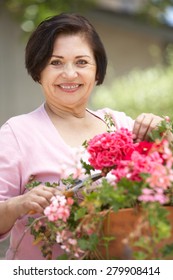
69	71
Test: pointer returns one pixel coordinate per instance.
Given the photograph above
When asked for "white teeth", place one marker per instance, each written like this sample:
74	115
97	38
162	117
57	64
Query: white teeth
69	87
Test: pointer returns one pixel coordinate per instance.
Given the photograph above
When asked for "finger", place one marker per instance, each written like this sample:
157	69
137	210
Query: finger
37	201
44	191
37	205
59	192
55	191
144	127
49	189
153	125
35	208
40	198
137	125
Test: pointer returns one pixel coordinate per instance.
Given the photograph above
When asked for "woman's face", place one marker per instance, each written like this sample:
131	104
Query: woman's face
70	74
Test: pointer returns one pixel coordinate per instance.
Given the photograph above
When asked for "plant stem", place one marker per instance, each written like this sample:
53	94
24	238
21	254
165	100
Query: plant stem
25	231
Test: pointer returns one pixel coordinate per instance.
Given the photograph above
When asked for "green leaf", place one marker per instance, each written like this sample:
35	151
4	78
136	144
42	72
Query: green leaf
51	185
62	257
69	180
90	244
80	213
168	250
32	184
87	167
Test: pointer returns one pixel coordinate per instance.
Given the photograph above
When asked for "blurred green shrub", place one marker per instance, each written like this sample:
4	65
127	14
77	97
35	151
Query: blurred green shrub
140	91
29	13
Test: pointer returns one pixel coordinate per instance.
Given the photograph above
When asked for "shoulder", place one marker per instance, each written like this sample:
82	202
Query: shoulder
24	122
20	128
120	118
26	118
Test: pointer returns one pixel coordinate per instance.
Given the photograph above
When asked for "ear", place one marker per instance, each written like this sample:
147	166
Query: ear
96	79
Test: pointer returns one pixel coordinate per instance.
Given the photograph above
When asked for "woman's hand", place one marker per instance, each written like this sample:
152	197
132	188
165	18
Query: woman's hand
35	200
144	124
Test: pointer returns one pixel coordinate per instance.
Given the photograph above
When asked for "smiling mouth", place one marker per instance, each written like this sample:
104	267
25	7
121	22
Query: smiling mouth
69	87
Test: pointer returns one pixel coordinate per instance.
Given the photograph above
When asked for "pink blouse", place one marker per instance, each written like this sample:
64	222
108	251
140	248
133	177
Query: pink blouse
31	145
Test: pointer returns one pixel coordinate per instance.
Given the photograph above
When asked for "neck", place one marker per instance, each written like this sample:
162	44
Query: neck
66	113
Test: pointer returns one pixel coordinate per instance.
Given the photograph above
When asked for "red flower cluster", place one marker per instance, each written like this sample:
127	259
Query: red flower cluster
126	159
107	149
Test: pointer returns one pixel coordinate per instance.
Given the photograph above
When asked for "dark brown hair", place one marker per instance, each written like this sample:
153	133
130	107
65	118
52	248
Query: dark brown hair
41	42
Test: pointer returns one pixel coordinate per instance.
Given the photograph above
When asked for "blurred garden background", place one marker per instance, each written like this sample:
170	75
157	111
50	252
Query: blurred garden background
138	37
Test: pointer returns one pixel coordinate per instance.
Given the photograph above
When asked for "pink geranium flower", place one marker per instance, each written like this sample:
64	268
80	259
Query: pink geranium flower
107	149
59	208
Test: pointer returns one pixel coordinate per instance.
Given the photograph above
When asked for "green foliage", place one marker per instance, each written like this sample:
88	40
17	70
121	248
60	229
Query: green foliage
80	213
153	11
162	130
32	184
70	181
31	12
87	167
167	250
89	244
159	229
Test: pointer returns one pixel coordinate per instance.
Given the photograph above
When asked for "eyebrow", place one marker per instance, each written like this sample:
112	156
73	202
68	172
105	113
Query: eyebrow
79	56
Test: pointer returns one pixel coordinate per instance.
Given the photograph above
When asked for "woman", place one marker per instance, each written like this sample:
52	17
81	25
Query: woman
66	56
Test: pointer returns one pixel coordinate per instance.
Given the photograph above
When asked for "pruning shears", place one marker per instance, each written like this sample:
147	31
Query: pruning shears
71	189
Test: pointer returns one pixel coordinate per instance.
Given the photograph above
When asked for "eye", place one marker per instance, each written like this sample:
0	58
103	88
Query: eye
56	62
81	62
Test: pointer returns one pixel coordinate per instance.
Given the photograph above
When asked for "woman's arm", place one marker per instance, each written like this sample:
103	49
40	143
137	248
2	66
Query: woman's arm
35	200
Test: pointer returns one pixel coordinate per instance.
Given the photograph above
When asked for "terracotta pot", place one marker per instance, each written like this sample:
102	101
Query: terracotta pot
121	225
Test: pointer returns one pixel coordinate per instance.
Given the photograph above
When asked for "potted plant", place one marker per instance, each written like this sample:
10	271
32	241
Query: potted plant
126	214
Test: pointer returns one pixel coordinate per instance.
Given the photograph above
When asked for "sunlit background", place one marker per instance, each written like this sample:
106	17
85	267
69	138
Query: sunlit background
138	37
